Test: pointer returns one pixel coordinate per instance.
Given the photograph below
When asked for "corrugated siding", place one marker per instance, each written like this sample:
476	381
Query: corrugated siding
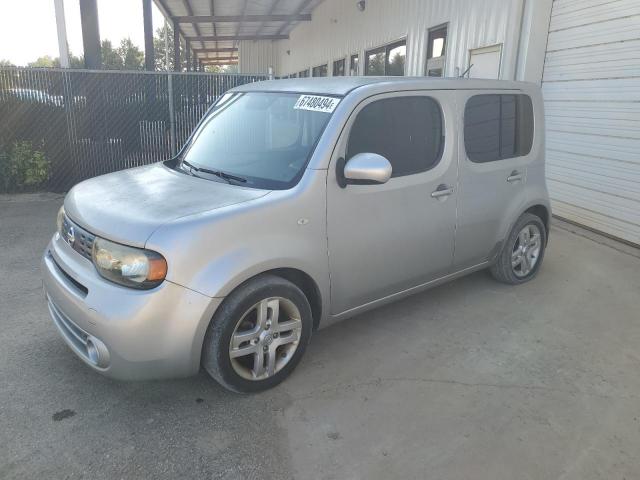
256	57
591	86
338	30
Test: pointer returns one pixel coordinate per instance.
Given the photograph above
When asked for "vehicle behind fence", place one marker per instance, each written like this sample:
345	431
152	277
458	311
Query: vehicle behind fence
59	127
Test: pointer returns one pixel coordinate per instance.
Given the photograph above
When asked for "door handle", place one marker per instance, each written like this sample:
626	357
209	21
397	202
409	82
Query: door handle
514	177
442	191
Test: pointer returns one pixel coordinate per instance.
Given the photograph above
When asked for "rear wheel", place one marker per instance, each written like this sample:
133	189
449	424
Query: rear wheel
523	251
258	335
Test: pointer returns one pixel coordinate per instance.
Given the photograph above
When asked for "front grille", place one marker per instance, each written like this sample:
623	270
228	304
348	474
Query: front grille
76	236
82	290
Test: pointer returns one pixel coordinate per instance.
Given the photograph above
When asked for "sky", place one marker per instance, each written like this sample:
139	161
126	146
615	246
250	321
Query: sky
29	27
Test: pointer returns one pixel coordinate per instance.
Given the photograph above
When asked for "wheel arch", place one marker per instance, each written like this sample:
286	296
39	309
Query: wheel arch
542	212
301	279
298	277
307	284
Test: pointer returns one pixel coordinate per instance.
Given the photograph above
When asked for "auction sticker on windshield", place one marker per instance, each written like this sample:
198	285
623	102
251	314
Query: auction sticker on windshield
317	103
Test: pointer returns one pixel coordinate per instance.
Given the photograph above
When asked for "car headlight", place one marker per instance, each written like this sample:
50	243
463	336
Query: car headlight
60	219
128	266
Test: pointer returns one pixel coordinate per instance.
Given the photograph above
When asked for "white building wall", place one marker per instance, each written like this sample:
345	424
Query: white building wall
338	29
257	57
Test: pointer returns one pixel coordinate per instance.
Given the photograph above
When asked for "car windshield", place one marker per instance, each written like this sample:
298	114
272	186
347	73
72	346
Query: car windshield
259	139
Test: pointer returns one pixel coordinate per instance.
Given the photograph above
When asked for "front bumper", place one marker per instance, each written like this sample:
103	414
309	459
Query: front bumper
121	332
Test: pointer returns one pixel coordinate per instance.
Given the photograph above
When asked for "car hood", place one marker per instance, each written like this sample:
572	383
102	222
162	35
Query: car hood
128	206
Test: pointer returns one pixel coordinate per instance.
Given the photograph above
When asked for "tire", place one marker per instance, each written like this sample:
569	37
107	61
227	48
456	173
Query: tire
269	338
515	264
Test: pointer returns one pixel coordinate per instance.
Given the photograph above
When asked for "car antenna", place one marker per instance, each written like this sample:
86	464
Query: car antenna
466	71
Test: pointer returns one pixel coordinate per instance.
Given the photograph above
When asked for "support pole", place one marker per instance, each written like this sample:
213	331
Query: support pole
90	34
187	54
172	120
176	47
149	53
61	24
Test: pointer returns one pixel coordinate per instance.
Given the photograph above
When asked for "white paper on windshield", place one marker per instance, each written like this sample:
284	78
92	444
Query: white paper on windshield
316	103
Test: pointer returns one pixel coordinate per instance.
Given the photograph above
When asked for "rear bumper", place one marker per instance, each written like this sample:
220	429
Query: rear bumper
121	332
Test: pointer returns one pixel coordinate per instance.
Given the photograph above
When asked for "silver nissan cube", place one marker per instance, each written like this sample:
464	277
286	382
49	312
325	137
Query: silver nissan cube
295	204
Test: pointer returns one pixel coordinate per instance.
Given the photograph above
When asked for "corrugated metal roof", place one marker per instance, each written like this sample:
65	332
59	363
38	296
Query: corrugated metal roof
239	8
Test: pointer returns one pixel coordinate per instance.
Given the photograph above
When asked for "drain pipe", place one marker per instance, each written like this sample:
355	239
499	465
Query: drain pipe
516	70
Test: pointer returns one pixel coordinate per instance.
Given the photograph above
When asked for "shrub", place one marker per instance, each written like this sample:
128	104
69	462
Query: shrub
23	167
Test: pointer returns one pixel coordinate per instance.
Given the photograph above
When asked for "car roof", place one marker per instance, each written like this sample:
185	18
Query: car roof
343	85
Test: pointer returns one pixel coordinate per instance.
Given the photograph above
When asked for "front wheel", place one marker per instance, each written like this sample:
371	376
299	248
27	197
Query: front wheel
523	251
258	335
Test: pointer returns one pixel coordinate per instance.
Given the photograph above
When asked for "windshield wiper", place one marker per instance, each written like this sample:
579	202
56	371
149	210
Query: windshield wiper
218	173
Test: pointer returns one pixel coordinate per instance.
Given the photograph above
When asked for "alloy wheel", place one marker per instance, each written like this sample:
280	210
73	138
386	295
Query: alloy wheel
526	250
265	338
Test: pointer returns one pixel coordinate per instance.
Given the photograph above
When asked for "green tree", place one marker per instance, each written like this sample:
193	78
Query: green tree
45	61
51	62
132	57
126	57
159	49
221	68
111	59
6	63
23	167
76	62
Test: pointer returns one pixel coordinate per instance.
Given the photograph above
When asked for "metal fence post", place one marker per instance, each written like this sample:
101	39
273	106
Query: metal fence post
172	116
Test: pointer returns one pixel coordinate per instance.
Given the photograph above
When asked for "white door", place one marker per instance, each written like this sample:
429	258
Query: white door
485	62
591	88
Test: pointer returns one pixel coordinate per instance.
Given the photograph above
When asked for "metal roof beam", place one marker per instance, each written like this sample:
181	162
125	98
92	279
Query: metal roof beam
187	7
229	38
217	59
212	11
239	24
271	10
244	19
303	5
215	50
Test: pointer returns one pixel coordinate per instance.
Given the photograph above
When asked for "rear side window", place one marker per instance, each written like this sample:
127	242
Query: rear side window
497	127
407	131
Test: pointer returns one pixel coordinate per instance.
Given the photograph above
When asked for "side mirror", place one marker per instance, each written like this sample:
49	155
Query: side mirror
363	169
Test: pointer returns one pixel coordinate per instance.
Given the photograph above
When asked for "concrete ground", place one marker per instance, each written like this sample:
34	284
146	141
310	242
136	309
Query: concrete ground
471	380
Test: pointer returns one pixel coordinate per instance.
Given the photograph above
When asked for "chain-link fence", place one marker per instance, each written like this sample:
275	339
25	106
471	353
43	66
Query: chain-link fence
58	127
